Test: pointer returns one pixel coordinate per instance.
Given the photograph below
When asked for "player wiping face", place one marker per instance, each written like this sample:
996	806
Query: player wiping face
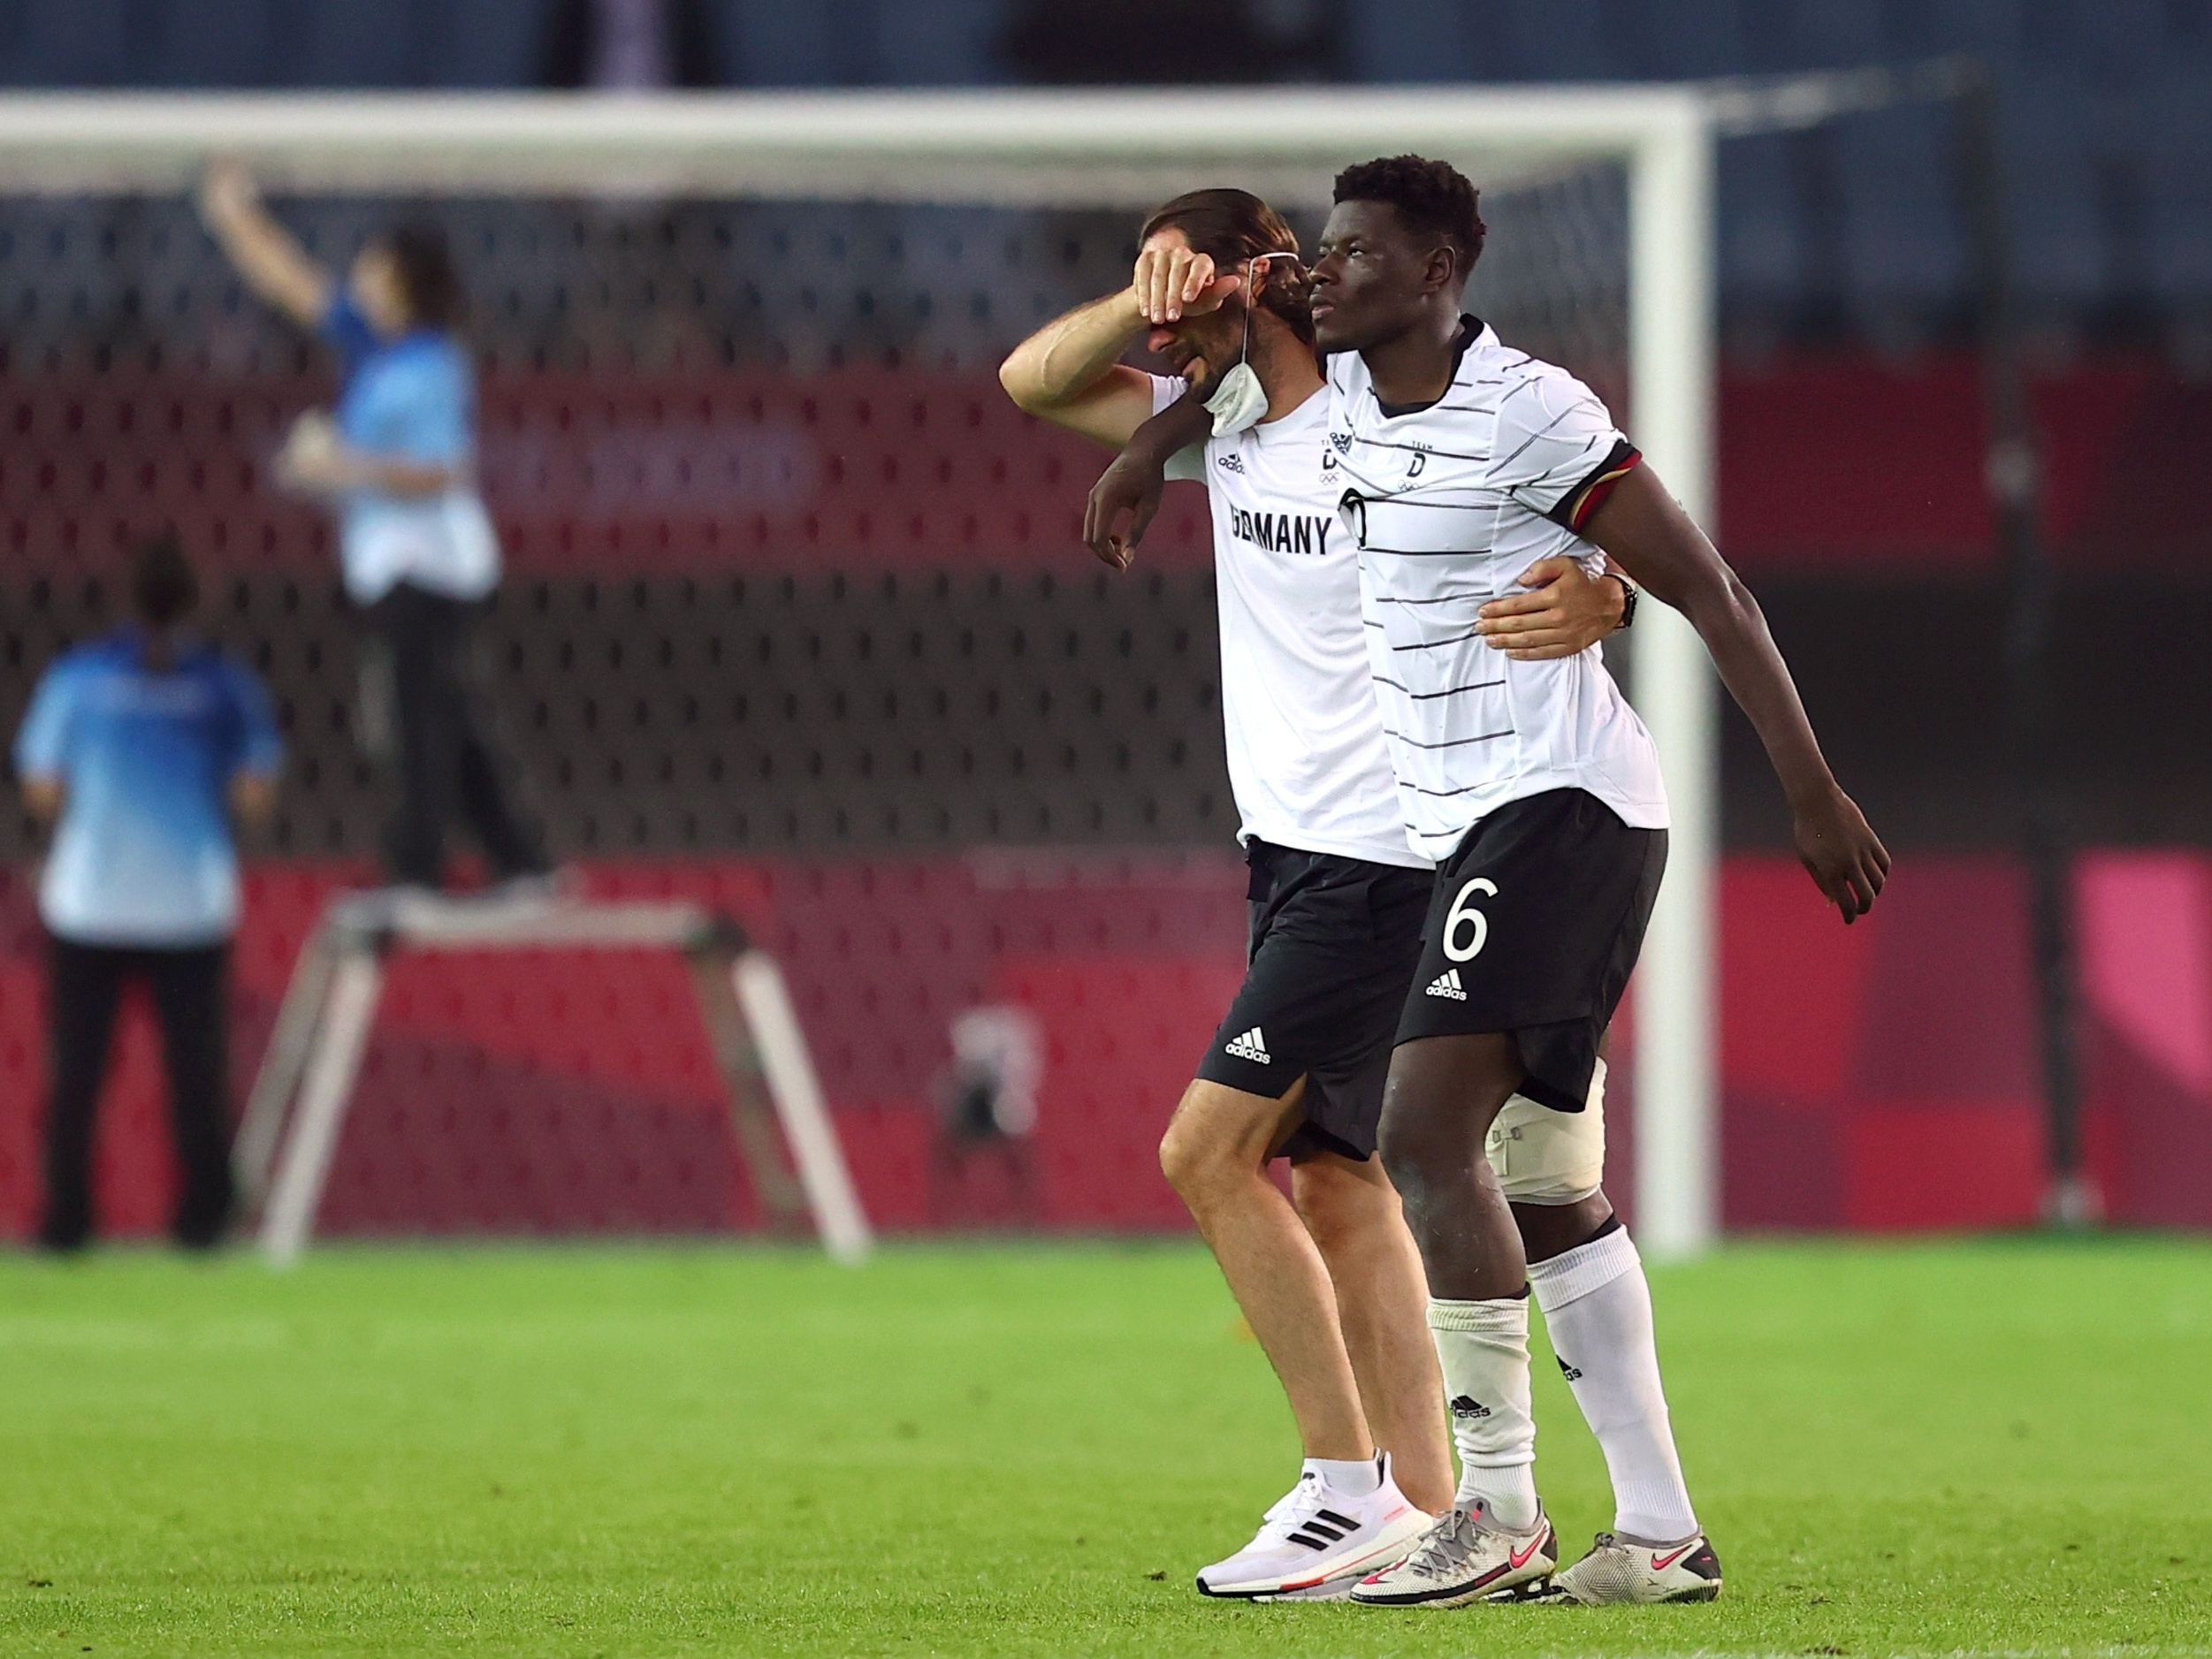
1199	323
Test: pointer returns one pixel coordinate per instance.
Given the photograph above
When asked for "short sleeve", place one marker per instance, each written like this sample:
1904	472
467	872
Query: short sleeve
347	331
1188	465
42	747
259	747
1556	451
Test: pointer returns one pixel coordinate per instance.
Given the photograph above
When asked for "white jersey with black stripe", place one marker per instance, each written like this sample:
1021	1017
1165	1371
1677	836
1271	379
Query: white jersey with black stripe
1307	760
1447	505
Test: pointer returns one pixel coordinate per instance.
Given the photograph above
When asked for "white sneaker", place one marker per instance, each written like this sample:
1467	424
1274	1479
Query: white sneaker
1623	1569
1467	1558
1317	1542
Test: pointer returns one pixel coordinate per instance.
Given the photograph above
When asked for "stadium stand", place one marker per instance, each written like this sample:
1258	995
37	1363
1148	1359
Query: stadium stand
1843	232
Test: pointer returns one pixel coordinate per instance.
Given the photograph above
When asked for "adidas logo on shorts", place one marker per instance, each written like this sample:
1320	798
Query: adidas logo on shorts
1447	985
1251	1046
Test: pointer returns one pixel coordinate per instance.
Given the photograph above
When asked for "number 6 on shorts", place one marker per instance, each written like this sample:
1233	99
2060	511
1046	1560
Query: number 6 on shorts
1462	912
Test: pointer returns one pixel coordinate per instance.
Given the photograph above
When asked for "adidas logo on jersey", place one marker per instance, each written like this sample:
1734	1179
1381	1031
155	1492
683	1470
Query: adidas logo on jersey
1573	1374
1251	1046
1230	463
1447	985
1468	1409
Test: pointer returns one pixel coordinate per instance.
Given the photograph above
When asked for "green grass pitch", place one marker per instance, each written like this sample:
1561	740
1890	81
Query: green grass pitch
2000	1447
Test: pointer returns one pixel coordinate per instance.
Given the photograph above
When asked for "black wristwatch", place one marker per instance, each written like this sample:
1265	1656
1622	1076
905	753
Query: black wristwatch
1628	591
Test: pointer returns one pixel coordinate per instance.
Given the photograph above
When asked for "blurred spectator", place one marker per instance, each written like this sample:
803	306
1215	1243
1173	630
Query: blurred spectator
138	748
396	461
629	46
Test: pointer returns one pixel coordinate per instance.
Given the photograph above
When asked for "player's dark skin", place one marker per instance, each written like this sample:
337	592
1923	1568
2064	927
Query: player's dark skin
1392	294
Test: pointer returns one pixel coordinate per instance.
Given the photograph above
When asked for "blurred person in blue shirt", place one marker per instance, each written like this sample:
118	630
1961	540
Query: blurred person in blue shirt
396	462
139	749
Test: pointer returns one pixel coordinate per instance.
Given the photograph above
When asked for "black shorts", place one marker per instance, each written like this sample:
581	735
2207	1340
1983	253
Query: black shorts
1334	944
1534	930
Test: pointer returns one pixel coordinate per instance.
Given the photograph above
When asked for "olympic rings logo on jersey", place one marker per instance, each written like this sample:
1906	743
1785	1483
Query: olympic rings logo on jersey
1464	915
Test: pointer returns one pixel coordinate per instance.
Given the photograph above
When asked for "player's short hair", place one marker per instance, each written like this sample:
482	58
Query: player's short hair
424	260
1433	198
1230	227
164	587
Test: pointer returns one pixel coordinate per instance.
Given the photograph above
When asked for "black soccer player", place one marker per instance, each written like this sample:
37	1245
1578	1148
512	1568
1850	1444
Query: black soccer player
1534	783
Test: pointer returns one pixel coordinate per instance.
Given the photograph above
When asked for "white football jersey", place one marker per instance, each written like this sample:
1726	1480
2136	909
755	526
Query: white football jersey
1447	505
1307	760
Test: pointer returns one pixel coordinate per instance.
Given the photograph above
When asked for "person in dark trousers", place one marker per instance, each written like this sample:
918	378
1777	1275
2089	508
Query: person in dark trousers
139	749
396	461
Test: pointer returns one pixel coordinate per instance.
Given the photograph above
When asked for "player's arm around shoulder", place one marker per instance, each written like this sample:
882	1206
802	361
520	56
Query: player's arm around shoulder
1659	544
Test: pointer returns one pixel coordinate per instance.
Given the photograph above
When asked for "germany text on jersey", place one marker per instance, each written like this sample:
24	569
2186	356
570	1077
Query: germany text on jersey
1307	759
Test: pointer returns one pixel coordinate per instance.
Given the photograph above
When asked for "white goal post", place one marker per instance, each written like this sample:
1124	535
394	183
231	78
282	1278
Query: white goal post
1115	148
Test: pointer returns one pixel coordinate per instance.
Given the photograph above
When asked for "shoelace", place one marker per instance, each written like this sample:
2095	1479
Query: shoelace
1448	1547
1293	1509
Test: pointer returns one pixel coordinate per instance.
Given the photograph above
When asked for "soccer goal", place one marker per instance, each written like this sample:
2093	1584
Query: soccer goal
627	253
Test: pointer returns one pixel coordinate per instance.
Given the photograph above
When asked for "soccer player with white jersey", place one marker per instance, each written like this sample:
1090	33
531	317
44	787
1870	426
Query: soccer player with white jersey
1332	1287
1456	461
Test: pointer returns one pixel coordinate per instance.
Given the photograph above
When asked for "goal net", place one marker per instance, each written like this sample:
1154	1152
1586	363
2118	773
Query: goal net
796	620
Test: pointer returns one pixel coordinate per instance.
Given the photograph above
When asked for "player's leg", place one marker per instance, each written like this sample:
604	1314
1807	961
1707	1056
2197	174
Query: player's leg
1589	1284
1215	1155
1531	934
1297	1065
1353	1214
1496	1543
82	986
1345	1515
191	998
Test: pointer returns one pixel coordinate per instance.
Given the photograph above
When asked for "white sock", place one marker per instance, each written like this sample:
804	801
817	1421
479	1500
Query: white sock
1484	1349
1358	1478
1598	1308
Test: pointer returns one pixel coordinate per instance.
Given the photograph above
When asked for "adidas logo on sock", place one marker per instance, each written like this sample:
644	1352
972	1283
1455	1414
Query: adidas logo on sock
1573	1374
1251	1046
1468	1409
1447	985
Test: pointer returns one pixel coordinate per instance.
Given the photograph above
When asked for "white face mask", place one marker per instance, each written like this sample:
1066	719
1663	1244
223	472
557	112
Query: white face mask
1239	400
1238	403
